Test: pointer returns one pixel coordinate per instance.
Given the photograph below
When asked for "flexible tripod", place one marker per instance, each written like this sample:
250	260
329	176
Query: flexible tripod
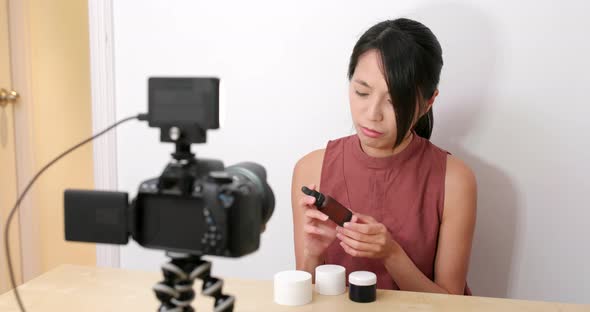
176	292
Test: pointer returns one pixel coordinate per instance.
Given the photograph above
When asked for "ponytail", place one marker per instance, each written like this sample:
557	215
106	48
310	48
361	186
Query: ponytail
424	125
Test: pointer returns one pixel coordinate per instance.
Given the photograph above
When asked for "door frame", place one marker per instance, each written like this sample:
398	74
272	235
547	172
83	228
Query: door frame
20	61
100	19
102	83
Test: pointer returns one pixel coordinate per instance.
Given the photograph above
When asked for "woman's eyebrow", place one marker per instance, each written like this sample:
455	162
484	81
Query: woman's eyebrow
364	83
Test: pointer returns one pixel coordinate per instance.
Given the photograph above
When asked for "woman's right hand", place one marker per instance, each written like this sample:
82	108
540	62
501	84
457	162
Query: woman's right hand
319	231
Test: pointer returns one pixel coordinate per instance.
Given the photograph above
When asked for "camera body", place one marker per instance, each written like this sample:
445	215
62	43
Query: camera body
215	213
196	206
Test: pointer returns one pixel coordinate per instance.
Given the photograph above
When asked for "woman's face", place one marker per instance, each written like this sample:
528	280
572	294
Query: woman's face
370	104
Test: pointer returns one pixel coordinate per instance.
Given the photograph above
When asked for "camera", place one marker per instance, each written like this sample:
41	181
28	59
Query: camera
196	206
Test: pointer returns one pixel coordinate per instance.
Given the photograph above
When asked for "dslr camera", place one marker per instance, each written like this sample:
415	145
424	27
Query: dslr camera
196	206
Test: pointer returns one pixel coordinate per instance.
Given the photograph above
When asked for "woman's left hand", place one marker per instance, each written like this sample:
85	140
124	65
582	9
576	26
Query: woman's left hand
367	239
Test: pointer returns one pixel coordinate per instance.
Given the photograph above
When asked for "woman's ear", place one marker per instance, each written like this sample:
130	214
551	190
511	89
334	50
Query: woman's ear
429	104
431	100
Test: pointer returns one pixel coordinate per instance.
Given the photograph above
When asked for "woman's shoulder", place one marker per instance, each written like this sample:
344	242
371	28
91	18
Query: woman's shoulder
316	157
434	148
460	197
457	172
459	179
312	158
307	170
310	164
459	175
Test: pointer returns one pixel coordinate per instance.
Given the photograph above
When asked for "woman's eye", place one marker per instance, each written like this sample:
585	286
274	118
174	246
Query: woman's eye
361	94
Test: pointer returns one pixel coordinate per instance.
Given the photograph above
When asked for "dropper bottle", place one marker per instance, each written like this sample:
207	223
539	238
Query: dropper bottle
329	206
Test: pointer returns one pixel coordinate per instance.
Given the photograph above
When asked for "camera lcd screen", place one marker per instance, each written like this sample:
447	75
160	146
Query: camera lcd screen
171	223
181	101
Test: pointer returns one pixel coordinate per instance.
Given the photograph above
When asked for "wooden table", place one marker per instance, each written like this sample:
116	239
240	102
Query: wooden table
79	288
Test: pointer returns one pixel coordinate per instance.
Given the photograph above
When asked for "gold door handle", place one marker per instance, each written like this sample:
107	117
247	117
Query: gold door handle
8	97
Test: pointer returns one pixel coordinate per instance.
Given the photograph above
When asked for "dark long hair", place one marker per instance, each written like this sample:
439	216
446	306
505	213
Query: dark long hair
412	61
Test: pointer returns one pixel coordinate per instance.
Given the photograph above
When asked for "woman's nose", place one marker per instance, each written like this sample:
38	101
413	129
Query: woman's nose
374	111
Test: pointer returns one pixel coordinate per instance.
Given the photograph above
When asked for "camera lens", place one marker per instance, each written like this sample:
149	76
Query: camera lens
256	174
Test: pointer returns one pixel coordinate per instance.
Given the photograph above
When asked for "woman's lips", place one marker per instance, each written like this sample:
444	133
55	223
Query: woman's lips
371	133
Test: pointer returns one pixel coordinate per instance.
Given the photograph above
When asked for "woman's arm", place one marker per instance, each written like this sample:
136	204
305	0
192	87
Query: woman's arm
307	172
454	242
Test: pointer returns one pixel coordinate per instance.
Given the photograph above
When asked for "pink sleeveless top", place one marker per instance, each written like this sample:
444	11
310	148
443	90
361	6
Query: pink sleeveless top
405	192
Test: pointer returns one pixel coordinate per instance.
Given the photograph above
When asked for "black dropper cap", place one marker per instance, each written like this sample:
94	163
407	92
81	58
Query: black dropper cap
319	197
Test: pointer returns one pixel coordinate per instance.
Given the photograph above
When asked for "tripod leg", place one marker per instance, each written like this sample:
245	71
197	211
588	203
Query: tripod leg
165	292
212	287
175	292
186	295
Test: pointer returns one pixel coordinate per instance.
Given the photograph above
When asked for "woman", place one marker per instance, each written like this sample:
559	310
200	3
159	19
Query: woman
414	204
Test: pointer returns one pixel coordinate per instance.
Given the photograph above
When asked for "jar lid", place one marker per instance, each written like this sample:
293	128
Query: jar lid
362	278
292	277
329	269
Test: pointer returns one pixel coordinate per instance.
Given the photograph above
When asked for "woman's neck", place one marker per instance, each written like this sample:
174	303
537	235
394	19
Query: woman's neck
386	152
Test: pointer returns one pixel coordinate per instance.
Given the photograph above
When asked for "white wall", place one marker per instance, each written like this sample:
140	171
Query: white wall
512	105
